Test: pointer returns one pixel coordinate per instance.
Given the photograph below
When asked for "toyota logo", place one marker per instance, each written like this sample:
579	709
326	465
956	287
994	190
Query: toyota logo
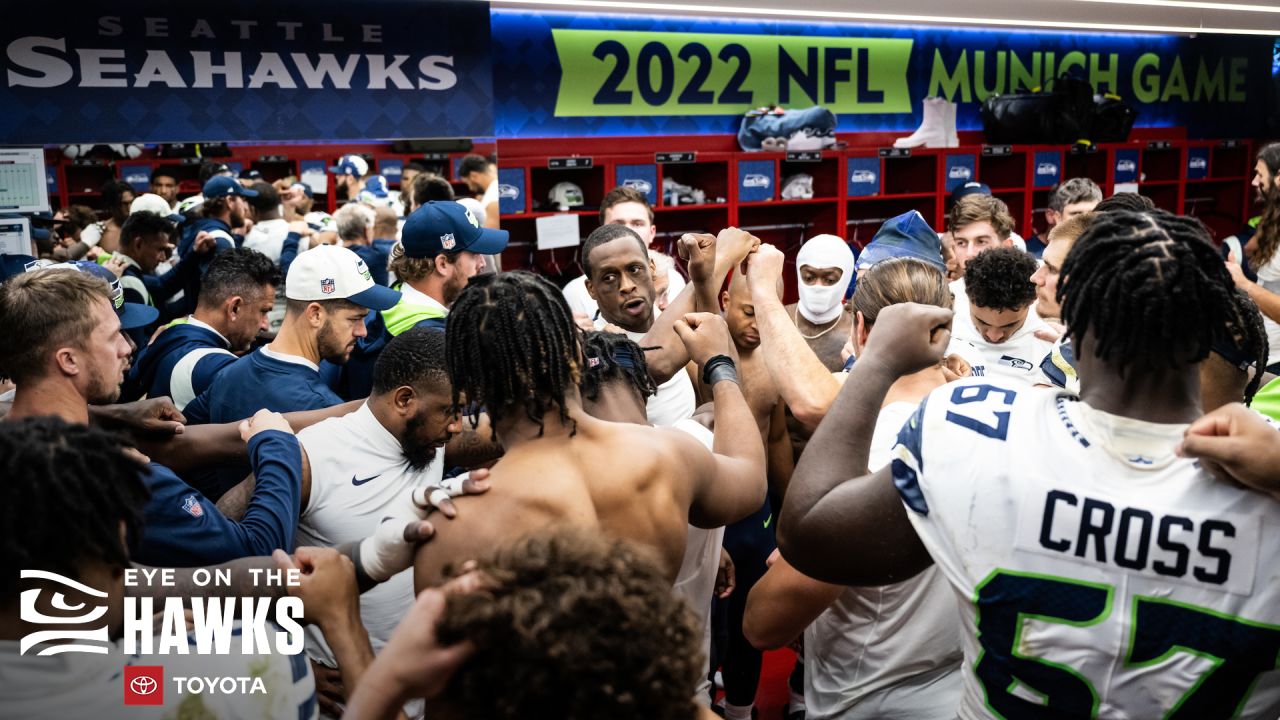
143	685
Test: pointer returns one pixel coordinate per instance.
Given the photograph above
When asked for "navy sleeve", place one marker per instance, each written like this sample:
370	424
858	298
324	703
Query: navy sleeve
197	411
289	251
271	519
184	528
207	369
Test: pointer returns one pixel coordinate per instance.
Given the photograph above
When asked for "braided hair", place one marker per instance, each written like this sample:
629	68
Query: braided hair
1246	341
612	357
1150	287
66	490
511	341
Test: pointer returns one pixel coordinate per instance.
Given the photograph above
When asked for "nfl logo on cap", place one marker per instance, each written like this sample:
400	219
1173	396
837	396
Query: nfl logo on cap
327	286
447	241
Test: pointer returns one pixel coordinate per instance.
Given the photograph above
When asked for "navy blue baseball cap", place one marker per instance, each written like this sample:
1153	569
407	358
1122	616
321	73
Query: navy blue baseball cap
907	235
444	226
12	265
970	188
220	186
132	315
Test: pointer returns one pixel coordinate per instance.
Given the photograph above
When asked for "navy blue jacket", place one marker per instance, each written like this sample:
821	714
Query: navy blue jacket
183	528
160	371
375	259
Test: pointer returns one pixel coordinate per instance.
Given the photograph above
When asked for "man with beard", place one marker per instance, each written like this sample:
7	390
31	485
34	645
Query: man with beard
65	351
236	295
441	247
329	291
223	210
1260	276
364	463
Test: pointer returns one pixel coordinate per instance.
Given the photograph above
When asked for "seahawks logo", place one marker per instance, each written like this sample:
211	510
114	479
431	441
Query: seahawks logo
1017	363
62	640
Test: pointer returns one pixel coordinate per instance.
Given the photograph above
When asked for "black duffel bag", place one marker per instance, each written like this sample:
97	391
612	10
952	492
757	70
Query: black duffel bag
1112	119
1061	115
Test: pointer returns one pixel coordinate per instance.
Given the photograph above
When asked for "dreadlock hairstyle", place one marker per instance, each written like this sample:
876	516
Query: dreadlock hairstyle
612	357
1245	344
1150	287
511	342
75	474
1268	233
1133	202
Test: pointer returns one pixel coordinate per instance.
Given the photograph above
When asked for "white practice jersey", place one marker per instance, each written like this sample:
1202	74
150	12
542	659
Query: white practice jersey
875	638
1017	358
1098	575
358	477
696	581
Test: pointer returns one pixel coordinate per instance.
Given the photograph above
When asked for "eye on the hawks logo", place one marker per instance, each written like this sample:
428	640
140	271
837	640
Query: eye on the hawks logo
144	685
54	642
192	506
327	286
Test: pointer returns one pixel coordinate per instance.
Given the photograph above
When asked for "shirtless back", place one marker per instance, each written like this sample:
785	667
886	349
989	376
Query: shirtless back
641	483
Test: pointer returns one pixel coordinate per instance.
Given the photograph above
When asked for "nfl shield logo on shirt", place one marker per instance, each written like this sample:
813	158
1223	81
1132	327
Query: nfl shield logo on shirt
192	506
327	286
447	242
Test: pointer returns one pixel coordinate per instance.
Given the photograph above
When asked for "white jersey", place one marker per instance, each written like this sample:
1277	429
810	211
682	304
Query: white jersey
1017	358
267	237
675	400
359	476
1097	574
85	685
696	581
874	639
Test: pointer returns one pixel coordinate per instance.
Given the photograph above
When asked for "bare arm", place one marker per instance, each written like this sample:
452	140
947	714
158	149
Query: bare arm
803	381
782	604
203	445
710	260
824	507
729	484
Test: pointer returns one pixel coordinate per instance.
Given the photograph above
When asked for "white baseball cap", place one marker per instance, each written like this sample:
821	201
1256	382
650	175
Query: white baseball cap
330	272
149	202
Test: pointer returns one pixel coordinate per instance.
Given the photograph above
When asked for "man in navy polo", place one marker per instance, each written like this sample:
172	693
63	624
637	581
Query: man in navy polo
329	291
442	247
236	294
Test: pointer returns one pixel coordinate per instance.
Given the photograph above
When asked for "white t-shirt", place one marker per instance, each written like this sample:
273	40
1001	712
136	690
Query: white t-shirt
1094	571
580	301
696	581
267	237
872	639
675	400
1269	279
359	476
490	195
85	685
